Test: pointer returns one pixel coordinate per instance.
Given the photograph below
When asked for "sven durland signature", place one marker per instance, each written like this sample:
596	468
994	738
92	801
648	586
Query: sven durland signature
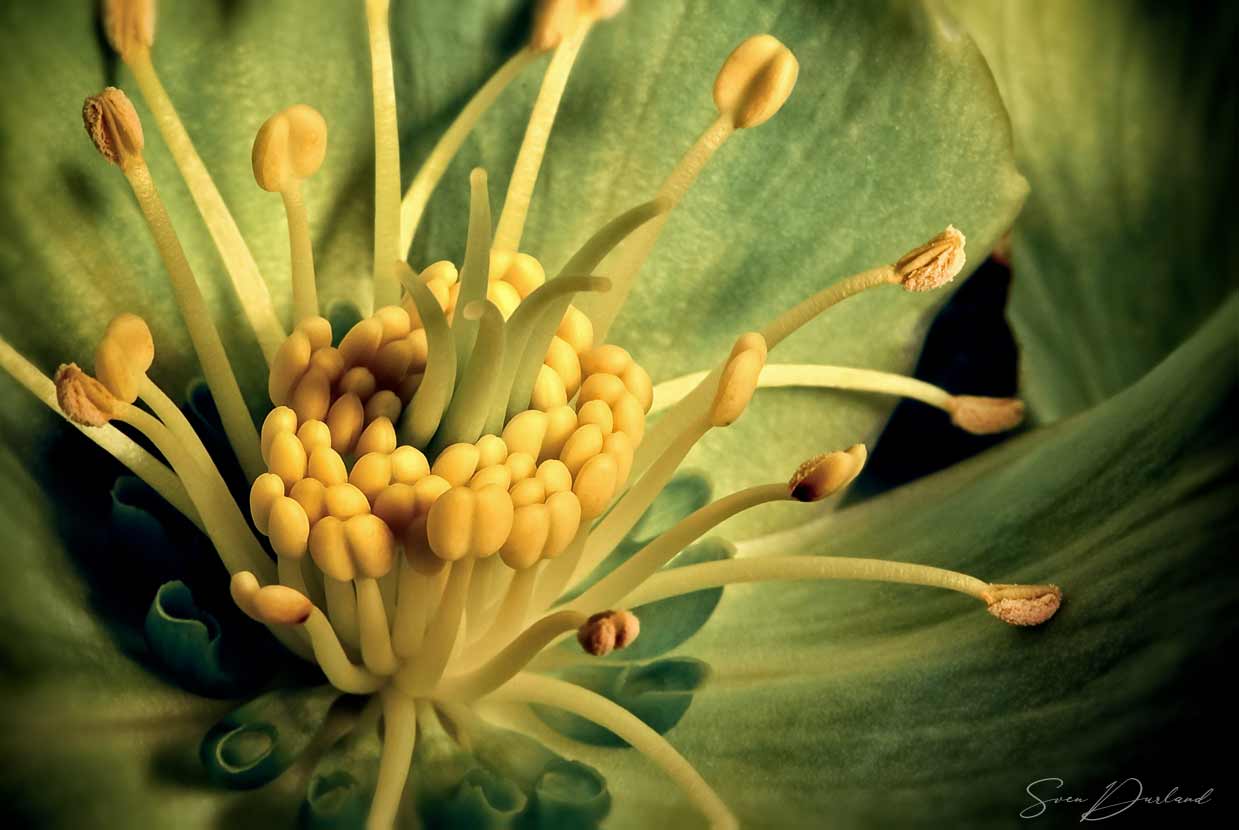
1118	798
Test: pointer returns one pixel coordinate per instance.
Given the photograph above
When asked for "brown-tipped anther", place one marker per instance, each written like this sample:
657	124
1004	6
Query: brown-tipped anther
112	124
827	473
290	146
627	628
985	416
83	399
1023	605
608	630
129	25
933	264
553	21
281	605
755	81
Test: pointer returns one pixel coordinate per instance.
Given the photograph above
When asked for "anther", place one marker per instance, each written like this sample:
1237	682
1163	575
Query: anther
129	25
984	416
826	474
1023	605
112	124
606	631
739	380
933	264
83	399
280	605
553	21
755	81
290	145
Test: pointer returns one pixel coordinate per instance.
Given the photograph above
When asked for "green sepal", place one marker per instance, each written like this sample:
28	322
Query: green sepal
568	794
342	784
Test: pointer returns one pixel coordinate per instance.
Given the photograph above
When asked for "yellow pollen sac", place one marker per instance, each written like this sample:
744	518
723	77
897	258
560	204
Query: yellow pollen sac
524	433
428	491
280	605
554	475
344	501
548	390
629	417
112	124
985	416
607	631
287	458
576	329
564	362
289	528
553	21
264	492
124	355
394	321
450	523
314	434
738	383
456	464
129	25
397	506
329	550
280	419
345	420
595	484
408	465
329	361
755	81
371	544
244	587
392	362
491	450
608	359
1023	605
492	520
496	474
638	382
531	526
360	382
561	422
290	145
311	494
621	448
826	474
327	466
597	413
384	405
371	474
584	444
933	264
113	370
312	396
317	330
290	363
564	511
520	465
362	342
379	437
529	491
602	387
504	296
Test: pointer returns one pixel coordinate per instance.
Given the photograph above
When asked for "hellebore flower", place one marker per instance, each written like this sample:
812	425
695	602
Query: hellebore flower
453	474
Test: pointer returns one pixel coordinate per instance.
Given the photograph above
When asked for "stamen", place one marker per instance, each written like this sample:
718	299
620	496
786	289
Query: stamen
387	249
512	659
608	630
1023	605
984	416
130	28
827	474
399	739
935	263
531	688
83	399
419	677
413	608
111	122
290	146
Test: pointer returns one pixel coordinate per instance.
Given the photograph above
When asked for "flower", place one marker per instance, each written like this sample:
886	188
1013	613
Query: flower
275	616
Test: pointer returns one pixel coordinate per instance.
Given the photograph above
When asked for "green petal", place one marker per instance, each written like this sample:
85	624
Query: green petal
1125	119
886	705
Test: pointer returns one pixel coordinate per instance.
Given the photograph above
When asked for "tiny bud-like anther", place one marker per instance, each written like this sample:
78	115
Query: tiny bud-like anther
608	630
1023	605
83	399
553	20
827	474
112	124
933	264
290	145
755	81
129	25
739	380
985	416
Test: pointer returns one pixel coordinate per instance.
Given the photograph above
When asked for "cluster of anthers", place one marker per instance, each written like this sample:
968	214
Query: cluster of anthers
433	479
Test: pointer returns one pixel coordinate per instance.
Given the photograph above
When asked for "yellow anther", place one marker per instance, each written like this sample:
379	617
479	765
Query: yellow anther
584	444
345	419
491	450
371	474
531	525
548	390
112	124
524	433
317	330
392	362
345	501
379	437
280	419
621	447
564	511
607	359
529	491
553	21
576	329
985	416
129	25
244	587
263	493
394	321
638	382
450	523
629	417
114	370
933	264
607	631
329	361
408	465
504	296
362	342
371	544
525	274
312	396
496	475
397	505
290	363
597	413
287	458
289	528
281	605
826	474
443	272
755	81
1023	605
408	387
601	387
521	465
383	405
595	484
329	550
314	434
500	261
564	361
327	466
311	494
417	551
83	399
290	146
561	422
738	383
428	490
420	348
456	464
555	476
124	356
492	520
358	381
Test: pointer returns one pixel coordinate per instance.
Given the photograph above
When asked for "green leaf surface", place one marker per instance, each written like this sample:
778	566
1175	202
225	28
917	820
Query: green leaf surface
1125	117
